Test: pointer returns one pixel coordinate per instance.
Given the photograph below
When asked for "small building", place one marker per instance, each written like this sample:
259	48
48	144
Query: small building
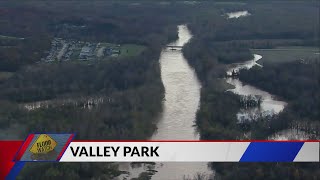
86	52
116	51
108	51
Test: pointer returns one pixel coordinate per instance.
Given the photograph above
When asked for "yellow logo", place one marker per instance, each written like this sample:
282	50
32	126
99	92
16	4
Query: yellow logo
43	145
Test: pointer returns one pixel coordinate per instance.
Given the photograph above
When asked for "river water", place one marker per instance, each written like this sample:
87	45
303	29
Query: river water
269	105
182	94
237	14
177	122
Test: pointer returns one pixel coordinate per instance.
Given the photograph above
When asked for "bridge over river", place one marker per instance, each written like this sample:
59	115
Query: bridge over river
174	46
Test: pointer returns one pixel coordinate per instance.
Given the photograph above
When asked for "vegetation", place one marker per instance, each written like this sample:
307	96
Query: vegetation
5	75
287	54
267	171
10	38
70	171
131	50
47	81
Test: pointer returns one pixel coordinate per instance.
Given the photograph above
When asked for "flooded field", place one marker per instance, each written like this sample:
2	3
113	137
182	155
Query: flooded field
82	102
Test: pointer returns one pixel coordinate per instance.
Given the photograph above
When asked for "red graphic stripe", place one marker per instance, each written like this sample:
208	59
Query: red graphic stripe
196	141
65	147
24	147
8	150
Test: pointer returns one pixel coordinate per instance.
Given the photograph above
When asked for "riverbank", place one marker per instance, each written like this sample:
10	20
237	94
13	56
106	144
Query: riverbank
217	114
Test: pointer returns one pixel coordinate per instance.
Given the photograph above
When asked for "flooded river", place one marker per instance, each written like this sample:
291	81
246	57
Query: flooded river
269	104
182	96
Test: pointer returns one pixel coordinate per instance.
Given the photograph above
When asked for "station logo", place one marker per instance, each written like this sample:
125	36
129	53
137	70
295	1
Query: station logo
43	145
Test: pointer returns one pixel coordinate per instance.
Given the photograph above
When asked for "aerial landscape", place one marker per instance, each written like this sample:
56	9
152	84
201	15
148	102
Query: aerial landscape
162	70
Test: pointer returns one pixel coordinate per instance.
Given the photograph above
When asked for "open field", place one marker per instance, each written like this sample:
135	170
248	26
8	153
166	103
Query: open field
287	54
131	50
5	75
230	3
10	38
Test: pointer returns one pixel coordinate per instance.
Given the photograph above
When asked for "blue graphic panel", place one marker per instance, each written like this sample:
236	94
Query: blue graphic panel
271	152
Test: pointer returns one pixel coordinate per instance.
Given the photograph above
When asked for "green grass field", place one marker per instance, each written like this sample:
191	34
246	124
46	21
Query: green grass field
128	50
230	3
75	54
5	75
104	44
287	54
10	38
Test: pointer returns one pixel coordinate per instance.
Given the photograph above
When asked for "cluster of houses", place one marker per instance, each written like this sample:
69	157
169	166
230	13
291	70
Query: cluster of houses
56	47
65	50
87	52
